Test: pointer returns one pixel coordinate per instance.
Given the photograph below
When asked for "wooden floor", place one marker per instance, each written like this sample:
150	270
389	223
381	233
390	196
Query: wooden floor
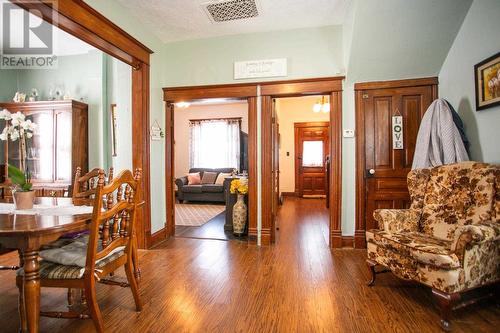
298	285
213	229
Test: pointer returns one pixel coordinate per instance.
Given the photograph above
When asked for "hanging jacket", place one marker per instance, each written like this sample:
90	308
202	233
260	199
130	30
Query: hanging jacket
438	141
460	126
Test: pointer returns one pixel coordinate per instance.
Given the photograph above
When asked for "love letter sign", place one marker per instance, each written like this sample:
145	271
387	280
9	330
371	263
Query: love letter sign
397	132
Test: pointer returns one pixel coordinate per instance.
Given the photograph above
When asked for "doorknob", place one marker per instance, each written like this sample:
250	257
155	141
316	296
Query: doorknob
371	171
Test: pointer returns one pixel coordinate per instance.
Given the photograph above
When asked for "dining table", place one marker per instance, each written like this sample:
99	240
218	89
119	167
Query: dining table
27	231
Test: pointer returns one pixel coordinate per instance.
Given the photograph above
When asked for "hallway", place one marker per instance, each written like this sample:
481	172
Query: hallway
298	285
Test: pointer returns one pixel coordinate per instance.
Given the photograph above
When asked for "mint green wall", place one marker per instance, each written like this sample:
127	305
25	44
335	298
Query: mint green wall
123	18
311	52
477	40
119	92
80	76
8	84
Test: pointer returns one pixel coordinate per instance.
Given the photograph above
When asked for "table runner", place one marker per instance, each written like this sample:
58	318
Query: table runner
9	208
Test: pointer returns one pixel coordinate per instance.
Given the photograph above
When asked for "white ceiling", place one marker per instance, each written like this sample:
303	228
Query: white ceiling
175	20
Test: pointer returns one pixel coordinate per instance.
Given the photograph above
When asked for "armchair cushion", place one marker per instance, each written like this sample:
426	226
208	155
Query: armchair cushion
397	220
420	247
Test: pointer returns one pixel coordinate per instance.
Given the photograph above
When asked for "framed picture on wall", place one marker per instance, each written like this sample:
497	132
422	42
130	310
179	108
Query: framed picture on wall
487	77
113	129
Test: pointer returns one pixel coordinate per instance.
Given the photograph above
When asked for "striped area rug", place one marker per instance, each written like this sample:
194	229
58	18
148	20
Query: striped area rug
196	215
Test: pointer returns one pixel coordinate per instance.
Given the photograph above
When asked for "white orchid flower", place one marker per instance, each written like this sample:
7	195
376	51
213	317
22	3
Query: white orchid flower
5	115
29	135
17	118
25	124
14	135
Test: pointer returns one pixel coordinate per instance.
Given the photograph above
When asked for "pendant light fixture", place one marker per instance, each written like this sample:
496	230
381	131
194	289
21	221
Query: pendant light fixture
322	105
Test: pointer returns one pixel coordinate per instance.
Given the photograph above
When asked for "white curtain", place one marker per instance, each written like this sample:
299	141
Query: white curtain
215	143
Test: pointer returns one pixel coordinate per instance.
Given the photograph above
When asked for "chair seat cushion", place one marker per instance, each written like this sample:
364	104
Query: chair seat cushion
73	254
192	189
52	271
212	188
423	248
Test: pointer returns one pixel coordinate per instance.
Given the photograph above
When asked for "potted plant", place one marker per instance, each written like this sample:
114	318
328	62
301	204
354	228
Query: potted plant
239	187
18	128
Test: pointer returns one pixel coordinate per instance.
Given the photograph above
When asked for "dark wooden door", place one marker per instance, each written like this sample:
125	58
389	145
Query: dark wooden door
385	167
311	149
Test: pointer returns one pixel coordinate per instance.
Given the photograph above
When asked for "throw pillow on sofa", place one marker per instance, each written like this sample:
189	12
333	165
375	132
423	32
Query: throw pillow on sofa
194	178
221	177
209	177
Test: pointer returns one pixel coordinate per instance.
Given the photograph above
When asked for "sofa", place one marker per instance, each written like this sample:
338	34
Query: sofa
203	192
449	238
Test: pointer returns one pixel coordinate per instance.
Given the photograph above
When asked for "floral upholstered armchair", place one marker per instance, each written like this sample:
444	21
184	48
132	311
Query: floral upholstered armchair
449	238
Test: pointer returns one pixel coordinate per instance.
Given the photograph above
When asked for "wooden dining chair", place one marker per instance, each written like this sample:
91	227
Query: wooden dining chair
84	187
110	246
7	268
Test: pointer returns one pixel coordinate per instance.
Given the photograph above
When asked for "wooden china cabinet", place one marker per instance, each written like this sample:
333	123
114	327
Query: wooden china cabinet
59	146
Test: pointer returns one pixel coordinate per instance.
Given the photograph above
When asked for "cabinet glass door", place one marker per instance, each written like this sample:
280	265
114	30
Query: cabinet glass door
39	150
63	146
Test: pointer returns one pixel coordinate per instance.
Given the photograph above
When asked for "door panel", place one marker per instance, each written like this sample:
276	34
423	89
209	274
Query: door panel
386	168
311	149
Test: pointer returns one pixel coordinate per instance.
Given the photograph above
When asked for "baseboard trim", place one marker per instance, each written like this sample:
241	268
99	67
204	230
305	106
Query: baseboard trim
360	239
158	237
265	236
289	194
348	241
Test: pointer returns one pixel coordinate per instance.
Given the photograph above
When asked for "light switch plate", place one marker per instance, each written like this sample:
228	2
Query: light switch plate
348	133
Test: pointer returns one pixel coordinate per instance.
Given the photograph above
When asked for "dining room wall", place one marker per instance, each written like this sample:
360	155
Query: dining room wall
119	93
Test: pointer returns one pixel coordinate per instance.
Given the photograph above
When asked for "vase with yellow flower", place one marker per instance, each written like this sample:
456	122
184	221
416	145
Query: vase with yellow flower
239	187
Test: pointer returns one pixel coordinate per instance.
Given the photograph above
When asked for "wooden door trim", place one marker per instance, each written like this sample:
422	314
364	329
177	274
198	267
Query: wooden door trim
427	81
360	223
302	87
183	94
296	127
85	23
297	88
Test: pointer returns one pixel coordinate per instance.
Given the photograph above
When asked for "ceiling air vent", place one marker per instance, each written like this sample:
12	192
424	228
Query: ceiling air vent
223	11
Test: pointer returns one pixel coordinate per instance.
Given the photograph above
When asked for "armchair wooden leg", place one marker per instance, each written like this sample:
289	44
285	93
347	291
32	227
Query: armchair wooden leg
371	267
445	302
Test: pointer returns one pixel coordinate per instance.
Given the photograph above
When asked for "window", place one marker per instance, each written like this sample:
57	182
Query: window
312	154
215	143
